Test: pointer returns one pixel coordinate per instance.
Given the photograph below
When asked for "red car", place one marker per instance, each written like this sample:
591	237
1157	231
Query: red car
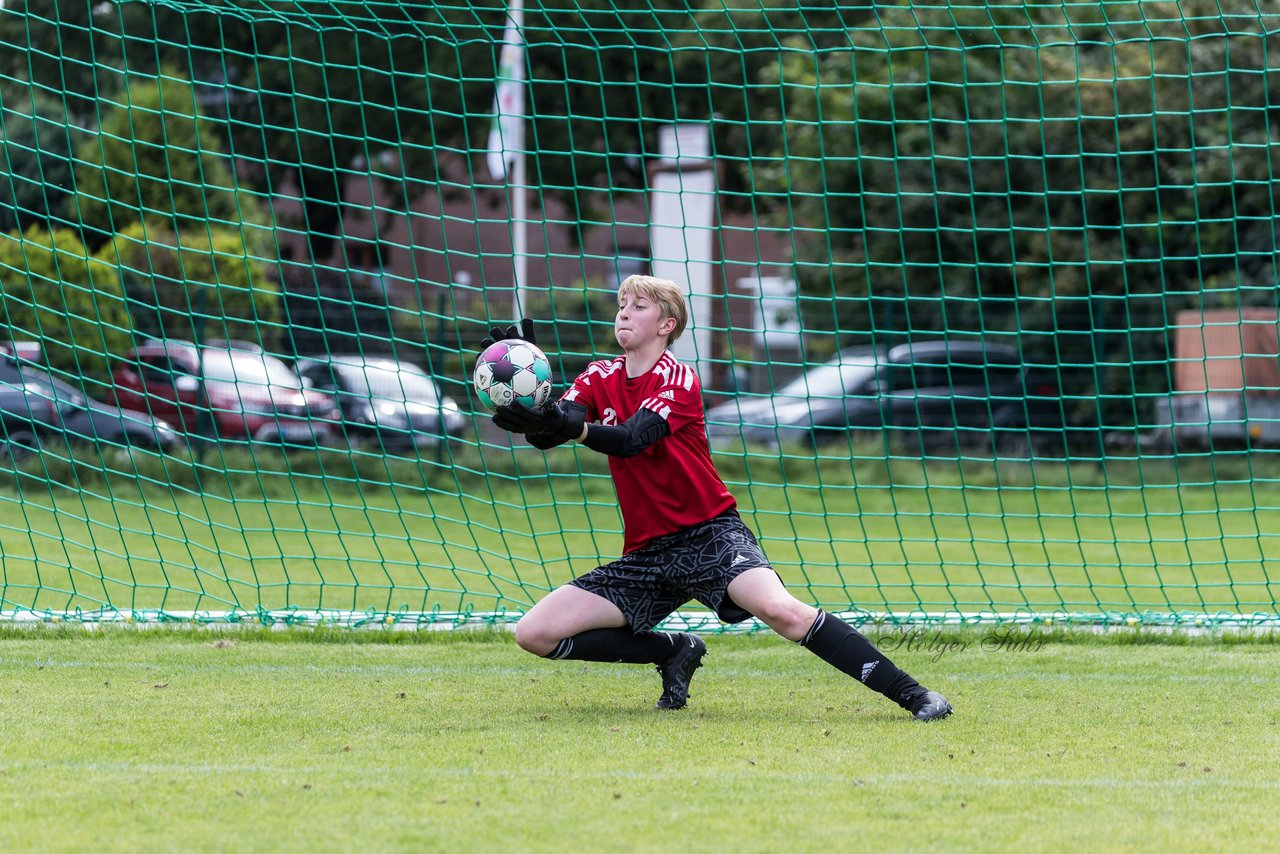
224	390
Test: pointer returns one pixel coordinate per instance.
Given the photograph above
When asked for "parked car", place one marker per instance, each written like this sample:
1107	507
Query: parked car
927	395
36	406
389	402
224	390
804	408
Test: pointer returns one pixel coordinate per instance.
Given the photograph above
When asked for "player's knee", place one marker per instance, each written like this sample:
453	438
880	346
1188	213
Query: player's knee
532	638
788	617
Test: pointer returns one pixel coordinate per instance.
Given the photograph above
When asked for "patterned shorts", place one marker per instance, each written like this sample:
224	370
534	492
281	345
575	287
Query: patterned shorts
698	562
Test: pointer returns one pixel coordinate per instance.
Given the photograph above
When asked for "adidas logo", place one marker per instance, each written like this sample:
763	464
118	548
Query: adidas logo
867	668
739	559
669	395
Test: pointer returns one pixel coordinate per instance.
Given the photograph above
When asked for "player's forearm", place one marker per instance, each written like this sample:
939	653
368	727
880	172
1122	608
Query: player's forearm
636	435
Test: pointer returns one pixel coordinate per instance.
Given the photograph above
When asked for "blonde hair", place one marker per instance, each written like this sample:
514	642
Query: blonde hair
667	294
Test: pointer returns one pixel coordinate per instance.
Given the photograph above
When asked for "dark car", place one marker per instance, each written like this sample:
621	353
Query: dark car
36	406
928	395
804	408
385	401
224	390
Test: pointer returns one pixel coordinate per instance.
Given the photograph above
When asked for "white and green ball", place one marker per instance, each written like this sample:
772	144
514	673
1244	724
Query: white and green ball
510	371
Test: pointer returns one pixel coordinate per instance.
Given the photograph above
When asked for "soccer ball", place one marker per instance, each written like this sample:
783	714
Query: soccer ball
510	371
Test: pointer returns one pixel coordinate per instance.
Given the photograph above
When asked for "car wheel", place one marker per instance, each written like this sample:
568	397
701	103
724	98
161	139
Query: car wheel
820	437
1050	442
149	444
18	446
1025	443
939	442
1013	444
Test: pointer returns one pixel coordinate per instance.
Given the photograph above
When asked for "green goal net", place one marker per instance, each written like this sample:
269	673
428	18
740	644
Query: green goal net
984	300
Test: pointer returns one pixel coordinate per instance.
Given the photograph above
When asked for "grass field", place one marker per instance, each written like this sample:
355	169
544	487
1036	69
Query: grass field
156	740
901	536
160	739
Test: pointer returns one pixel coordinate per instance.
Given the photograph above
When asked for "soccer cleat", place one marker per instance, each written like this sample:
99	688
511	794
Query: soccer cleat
678	671
929	706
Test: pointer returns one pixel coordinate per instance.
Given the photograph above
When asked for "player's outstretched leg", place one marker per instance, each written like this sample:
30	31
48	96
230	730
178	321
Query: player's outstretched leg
848	650
761	592
572	623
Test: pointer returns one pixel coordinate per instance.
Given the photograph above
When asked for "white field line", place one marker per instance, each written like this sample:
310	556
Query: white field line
383	773
1173	622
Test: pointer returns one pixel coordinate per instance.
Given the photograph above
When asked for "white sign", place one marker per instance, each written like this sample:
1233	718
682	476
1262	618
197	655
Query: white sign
681	210
777	314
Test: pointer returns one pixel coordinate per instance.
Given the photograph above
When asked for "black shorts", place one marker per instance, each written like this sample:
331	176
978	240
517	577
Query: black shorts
698	562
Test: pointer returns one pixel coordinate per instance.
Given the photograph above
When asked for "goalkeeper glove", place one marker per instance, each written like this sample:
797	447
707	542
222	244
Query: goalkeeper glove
523	332
557	422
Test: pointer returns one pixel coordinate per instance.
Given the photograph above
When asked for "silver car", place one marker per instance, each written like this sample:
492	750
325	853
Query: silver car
384	401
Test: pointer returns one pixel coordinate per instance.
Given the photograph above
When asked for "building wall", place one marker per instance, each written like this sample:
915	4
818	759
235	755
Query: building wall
457	238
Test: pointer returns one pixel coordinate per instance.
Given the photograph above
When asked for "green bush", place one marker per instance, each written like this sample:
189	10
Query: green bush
202	285
57	294
157	161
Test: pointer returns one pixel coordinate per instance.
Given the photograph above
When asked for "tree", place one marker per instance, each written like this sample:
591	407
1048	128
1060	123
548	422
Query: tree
59	43
36	141
156	161
330	89
1059	185
196	285
57	294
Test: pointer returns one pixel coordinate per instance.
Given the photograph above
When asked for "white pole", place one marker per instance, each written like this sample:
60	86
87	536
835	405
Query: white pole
519	184
507	150
682	210
520	229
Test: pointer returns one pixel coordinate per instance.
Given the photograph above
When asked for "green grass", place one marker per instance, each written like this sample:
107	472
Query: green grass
151	740
495	533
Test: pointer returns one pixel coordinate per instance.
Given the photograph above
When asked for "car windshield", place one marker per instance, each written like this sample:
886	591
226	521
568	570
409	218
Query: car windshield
388	380
231	366
833	379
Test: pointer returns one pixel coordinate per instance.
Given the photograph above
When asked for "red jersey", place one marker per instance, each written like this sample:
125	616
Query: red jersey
672	484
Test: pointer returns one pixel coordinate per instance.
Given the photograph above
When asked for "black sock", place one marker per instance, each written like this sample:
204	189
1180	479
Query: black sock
846	649
619	646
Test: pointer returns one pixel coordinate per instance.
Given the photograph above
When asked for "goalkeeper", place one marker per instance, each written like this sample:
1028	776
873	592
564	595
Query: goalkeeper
682	536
